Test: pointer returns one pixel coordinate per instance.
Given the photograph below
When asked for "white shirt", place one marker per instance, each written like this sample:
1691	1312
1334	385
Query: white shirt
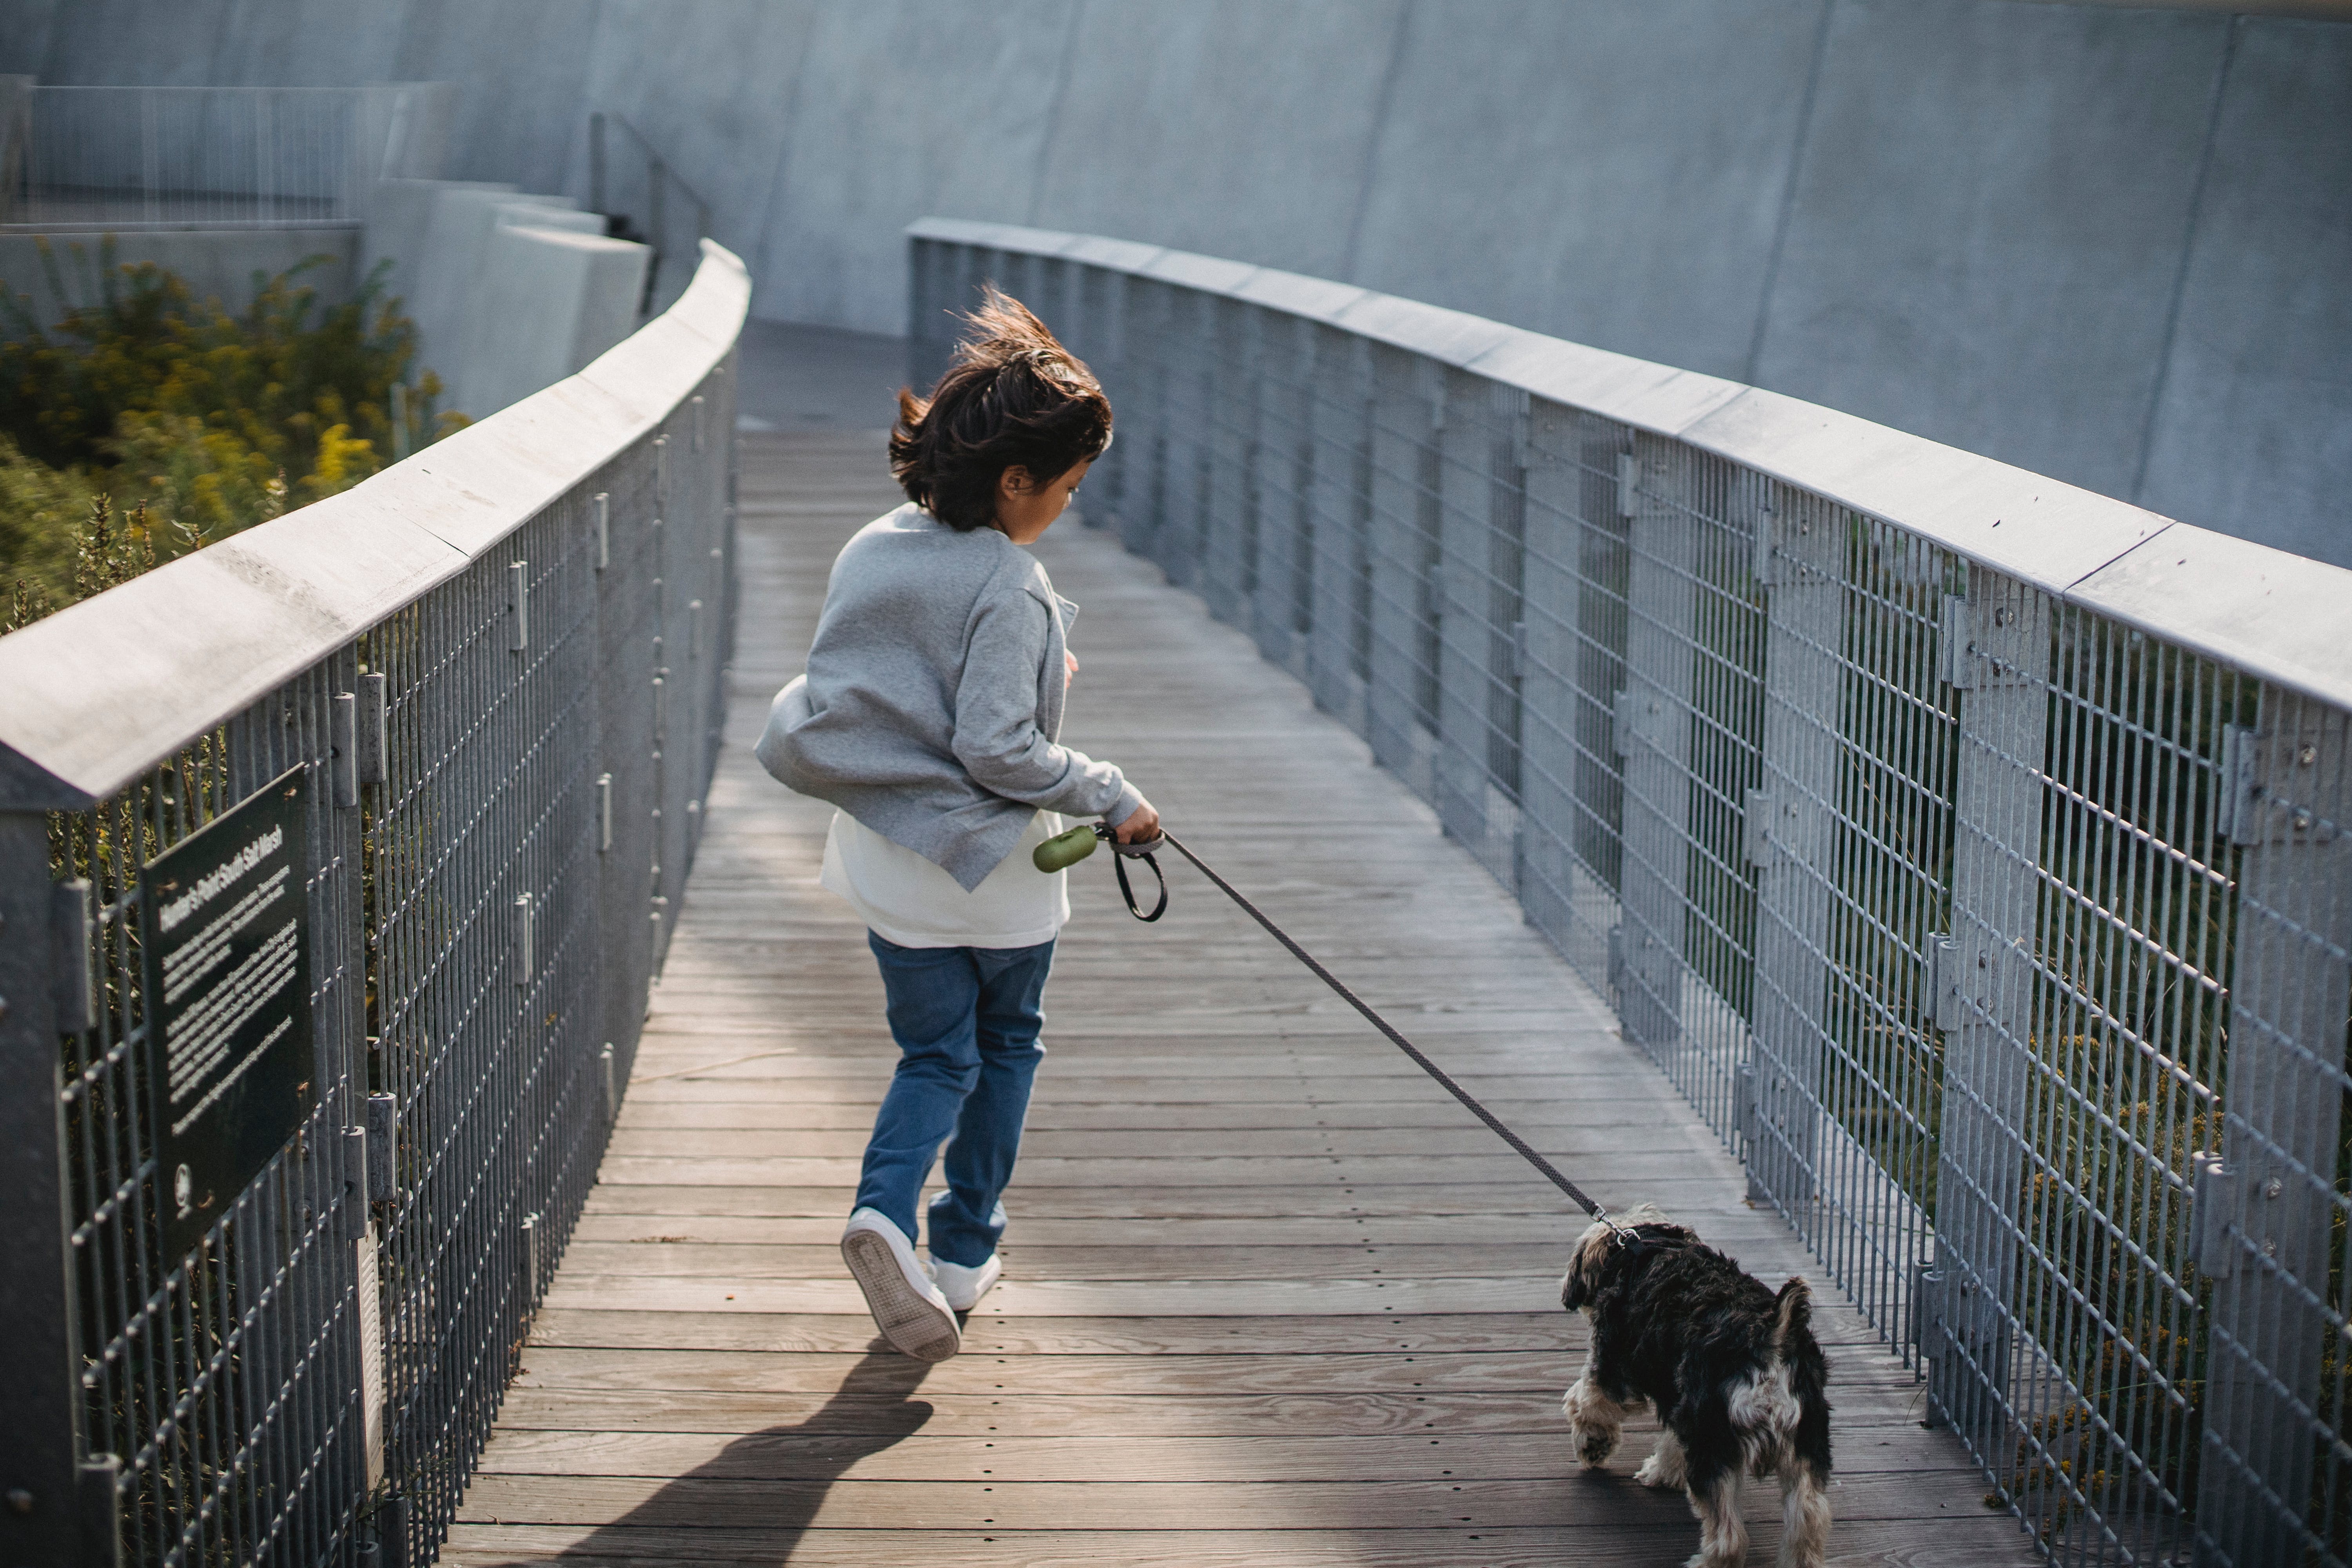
906	899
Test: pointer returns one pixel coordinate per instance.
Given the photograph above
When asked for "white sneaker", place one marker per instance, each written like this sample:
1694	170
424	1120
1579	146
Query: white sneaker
907	1307
964	1286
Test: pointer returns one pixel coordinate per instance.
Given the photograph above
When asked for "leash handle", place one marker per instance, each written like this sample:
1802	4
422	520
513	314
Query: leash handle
1520	1145
1120	855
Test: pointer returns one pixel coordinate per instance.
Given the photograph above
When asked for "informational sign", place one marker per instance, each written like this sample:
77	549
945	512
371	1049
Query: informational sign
224	936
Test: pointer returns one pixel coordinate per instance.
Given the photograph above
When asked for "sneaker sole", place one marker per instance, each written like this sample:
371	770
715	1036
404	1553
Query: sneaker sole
913	1325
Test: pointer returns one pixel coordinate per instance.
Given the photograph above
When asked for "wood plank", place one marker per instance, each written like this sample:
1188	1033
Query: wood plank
1619	1546
1272	1296
1106	1504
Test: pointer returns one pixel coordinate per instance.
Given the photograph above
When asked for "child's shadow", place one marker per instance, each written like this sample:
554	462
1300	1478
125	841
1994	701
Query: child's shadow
764	1490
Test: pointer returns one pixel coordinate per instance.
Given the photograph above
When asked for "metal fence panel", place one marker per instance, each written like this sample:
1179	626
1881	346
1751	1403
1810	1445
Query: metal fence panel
1994	905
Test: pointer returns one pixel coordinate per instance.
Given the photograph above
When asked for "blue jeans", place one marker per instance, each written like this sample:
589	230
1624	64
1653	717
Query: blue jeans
966	1020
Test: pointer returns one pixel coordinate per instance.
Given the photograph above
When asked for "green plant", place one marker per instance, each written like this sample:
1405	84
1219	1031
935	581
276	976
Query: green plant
193	421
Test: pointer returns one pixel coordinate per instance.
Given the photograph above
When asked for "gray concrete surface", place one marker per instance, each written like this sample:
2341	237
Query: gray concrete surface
794	377
2253	431
545	302
1985	254
2103	241
216	263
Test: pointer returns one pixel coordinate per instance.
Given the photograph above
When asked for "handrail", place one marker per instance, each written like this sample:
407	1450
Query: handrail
104	689
2271	614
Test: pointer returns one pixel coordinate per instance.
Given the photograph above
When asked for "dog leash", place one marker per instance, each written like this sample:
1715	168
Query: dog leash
1078	843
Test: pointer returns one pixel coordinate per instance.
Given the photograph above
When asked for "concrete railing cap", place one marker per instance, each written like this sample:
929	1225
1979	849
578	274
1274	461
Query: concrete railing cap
103	690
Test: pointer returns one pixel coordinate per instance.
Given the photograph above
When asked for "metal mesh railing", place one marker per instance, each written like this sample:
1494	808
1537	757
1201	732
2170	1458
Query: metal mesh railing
1993	906
130	157
498	773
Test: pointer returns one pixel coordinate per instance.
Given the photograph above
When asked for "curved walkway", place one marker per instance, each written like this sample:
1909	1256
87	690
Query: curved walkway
1271	1297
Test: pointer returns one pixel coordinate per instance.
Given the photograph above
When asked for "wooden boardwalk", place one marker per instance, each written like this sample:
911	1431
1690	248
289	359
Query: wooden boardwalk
1271	1297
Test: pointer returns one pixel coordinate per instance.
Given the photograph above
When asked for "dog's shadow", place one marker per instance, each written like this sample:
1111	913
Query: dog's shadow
766	1487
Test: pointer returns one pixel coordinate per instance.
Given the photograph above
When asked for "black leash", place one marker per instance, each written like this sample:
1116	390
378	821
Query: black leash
1576	1194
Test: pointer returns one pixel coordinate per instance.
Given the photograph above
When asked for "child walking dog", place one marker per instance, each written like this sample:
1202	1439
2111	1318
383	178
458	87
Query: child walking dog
930	718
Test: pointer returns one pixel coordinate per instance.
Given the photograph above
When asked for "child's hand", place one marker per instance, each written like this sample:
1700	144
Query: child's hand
1069	667
1142	827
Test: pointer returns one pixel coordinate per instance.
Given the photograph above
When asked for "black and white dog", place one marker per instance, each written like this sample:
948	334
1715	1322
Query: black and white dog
1731	1368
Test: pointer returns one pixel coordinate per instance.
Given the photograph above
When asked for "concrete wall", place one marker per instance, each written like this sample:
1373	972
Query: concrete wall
548	300
2107	242
216	263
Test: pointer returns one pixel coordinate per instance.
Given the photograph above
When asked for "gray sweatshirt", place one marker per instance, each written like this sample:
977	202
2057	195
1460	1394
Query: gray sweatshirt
932	704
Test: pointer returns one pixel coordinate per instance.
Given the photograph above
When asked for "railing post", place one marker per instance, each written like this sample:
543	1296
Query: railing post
1556	885
1652	731
1338	408
2003	670
1178	536
2274	1304
1229	523
40	1442
1282	614
1404	501
1141	496
1789	829
1478	590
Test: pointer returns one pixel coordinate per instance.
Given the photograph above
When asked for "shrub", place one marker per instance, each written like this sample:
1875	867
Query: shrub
189	422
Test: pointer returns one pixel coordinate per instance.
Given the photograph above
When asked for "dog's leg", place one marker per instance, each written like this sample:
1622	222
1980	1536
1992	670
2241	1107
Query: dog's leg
1664	1466
1594	1417
1711	1477
1804	1515
1722	1534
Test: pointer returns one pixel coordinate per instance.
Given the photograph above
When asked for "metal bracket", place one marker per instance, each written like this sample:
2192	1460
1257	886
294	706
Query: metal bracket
343	749
2210	1248
371	733
602	503
383	1127
611	1085
533	1284
1755	828
1629	484
2233	798
1616	955
1633	716
1957	669
522	955
1924	1327
603	812
98	1490
392	1531
1762	545
518	603
1944	1009
1750	1116
352	1209
1977	647
693	630
2262	776
72	982
1520	650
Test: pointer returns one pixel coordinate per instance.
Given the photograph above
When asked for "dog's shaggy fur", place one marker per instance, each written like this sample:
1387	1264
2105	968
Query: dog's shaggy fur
1732	1369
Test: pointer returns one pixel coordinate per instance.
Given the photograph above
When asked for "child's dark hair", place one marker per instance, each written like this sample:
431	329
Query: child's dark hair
1013	396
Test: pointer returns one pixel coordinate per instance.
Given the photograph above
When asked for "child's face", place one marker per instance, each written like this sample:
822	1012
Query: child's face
1025	509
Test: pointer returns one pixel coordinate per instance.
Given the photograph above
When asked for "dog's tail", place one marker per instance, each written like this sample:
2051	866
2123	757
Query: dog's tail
1791	1310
